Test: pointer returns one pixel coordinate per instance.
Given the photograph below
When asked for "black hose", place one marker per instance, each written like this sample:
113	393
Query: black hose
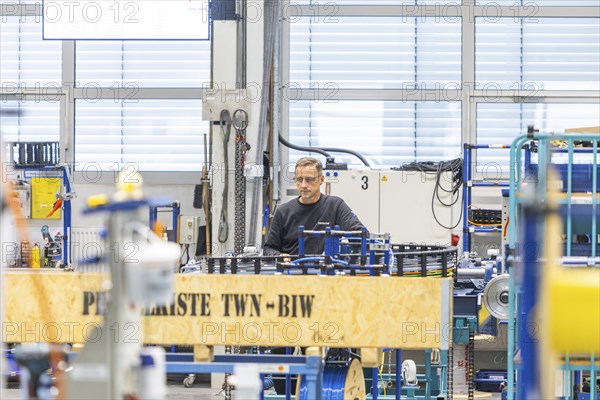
303	148
323	150
359	156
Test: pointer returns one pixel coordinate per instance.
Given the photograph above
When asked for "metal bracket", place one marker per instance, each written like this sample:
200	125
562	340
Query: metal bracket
216	100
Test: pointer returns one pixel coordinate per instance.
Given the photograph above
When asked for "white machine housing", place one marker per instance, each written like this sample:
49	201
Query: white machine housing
398	202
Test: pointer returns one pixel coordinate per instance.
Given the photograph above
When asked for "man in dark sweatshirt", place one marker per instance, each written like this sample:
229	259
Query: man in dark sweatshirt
311	209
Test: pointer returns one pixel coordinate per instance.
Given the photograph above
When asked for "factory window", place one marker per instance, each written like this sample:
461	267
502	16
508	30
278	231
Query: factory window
149	135
533	6
500	123
537	54
28	65
375	53
131	129
526	57
28	62
335	3
354	54
30	120
14	2
139	64
386	133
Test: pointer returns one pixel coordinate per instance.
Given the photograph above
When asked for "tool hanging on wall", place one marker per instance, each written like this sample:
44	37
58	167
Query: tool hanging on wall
225	125
57	205
199	189
240	123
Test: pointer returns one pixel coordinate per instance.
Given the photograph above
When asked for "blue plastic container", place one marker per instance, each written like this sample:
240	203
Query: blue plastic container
12	371
581	176
586	396
489	380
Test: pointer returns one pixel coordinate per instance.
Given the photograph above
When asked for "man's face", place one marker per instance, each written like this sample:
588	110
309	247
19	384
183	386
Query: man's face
308	182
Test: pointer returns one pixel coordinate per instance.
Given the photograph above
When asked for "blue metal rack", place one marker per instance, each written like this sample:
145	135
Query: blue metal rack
310	367
524	379
574	179
432	388
375	259
66	206
174	207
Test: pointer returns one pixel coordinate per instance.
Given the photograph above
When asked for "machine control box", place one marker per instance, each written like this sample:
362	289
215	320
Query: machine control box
188	229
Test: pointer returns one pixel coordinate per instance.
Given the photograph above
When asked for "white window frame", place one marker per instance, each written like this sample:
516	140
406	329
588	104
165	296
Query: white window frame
69	94
468	10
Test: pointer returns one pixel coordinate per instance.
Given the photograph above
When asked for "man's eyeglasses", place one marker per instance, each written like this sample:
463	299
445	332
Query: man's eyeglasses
308	179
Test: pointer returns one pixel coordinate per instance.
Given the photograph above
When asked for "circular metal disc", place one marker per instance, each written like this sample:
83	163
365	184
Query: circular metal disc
495	297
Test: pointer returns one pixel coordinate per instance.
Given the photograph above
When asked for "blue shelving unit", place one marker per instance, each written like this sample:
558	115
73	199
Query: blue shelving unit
310	367
528	189
63	172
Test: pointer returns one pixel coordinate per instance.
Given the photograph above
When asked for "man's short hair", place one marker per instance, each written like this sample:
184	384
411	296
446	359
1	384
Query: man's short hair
307	162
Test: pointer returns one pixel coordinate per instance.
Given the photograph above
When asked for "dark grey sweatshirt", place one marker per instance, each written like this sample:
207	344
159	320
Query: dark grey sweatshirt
328	211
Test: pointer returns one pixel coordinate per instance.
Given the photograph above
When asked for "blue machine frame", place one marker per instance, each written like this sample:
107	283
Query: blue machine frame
66	206
523	296
374	259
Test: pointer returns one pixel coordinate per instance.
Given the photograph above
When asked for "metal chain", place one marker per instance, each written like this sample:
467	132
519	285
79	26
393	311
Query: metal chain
450	374
471	366
226	389
240	197
389	367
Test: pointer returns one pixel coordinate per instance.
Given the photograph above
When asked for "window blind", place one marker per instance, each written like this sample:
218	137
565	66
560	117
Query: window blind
540	54
500	123
21	2
375	53
30	121
27	61
152	64
151	135
533	5
386	133
336	3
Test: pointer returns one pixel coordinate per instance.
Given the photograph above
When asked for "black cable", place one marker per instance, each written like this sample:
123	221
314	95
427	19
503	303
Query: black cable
354	153
323	150
438	168
181	263
303	148
433	210
457	181
225	128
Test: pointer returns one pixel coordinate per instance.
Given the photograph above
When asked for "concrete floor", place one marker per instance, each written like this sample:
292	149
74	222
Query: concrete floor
202	391
175	390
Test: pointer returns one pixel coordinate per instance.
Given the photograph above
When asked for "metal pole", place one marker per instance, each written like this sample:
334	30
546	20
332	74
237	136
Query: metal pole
527	388
241	50
466	197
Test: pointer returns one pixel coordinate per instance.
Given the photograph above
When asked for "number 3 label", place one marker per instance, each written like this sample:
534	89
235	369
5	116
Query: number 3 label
365	184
